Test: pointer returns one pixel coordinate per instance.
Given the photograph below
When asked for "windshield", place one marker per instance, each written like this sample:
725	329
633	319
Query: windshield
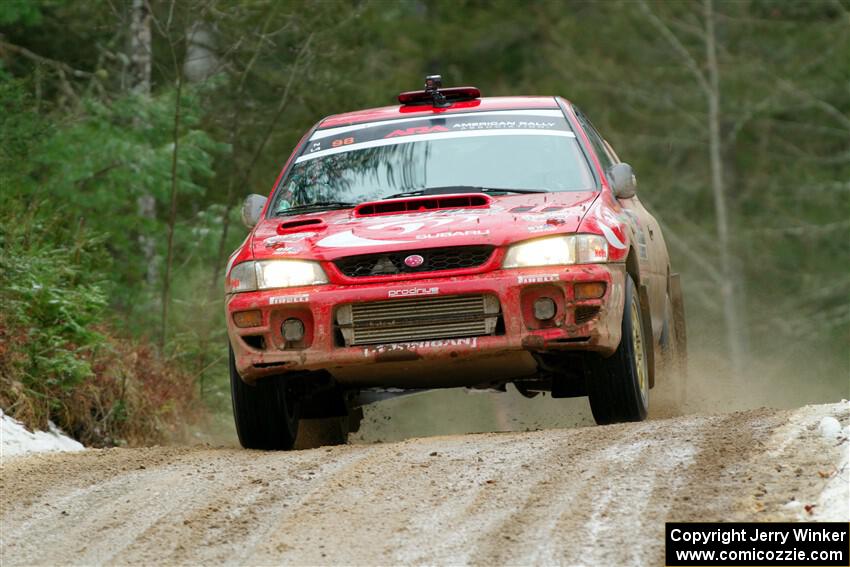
532	150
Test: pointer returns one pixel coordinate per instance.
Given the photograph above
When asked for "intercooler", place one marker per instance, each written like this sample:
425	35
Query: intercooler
418	319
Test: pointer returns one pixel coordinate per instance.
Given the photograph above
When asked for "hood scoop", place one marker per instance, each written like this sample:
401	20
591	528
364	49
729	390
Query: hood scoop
423	204
311	224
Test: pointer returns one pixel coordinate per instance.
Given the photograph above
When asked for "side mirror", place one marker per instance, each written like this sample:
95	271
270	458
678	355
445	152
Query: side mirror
623	180
251	209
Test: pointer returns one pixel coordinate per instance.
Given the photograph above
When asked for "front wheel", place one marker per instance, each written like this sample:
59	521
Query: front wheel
266	413
618	388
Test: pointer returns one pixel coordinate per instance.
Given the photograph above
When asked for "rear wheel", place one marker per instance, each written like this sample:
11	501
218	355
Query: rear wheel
618	388
266	413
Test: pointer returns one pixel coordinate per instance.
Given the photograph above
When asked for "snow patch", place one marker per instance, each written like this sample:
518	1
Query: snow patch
15	440
829	427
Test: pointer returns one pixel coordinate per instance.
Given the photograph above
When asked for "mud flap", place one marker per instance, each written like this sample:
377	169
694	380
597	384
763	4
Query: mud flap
323	404
681	332
646	317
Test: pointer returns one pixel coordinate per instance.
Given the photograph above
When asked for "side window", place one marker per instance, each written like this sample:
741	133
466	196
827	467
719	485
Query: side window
599	145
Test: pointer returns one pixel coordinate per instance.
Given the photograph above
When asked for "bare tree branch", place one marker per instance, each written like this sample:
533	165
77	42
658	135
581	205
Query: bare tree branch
677	46
825	106
58	65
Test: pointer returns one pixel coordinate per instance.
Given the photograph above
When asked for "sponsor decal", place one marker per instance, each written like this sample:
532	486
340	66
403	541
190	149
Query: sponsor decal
552	219
273	241
348	239
385	133
284	299
540	228
471	342
406	226
413	291
454	233
503	125
538	278
388	125
417	130
286	250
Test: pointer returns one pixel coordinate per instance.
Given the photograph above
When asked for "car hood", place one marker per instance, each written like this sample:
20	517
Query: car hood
505	219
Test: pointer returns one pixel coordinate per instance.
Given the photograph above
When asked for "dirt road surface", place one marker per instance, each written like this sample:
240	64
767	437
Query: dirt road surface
592	495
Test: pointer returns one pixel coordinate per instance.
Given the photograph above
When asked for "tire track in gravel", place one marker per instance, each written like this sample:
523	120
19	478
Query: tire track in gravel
141	515
593	495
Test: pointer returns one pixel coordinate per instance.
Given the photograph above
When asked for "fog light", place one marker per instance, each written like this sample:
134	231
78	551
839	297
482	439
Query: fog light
293	330
544	309
248	319
590	290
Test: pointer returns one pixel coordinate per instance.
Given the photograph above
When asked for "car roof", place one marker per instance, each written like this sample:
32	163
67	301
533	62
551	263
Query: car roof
410	111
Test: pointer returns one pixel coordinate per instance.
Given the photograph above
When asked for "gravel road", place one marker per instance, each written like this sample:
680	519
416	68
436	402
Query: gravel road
592	495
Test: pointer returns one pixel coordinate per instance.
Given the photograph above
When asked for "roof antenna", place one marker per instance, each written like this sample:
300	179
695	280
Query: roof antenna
432	86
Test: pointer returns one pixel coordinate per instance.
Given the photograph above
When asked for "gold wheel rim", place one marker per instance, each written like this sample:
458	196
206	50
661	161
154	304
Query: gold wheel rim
639	353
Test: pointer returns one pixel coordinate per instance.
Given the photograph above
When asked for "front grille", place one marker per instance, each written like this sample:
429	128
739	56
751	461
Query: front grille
417	319
435	260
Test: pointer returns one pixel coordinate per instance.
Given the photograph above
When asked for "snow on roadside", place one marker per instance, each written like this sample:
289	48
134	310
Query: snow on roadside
818	430
835	499
15	440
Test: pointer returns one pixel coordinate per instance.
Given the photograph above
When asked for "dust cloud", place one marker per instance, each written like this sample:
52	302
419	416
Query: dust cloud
773	380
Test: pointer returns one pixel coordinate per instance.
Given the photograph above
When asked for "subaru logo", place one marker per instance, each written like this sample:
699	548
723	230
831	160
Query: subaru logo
414	261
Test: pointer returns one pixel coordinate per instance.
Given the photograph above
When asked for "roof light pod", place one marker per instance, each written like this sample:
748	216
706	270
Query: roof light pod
436	95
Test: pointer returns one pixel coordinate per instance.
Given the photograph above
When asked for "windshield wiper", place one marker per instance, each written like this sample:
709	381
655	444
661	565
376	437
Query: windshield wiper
462	189
504	190
315	207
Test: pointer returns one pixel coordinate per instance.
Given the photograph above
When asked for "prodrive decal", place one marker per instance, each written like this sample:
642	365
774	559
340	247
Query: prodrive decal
413	291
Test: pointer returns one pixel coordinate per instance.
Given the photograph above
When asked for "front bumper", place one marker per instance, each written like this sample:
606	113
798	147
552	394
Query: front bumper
262	351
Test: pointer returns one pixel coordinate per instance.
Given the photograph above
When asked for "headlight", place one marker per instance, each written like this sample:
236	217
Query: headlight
541	252
557	250
270	274
289	273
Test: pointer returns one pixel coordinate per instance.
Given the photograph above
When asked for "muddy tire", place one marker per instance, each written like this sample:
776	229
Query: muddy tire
266	413
618	388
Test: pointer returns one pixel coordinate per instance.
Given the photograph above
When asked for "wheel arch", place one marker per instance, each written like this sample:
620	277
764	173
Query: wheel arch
632	266
633	270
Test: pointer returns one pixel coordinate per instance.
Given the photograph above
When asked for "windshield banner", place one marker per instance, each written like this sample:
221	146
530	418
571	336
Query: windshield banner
336	140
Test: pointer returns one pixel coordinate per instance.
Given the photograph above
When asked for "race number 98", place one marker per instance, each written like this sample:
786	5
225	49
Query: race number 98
342	142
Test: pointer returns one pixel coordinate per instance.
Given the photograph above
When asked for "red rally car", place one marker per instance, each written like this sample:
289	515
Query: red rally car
449	241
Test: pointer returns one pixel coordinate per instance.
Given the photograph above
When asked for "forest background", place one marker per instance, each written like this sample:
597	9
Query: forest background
131	131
